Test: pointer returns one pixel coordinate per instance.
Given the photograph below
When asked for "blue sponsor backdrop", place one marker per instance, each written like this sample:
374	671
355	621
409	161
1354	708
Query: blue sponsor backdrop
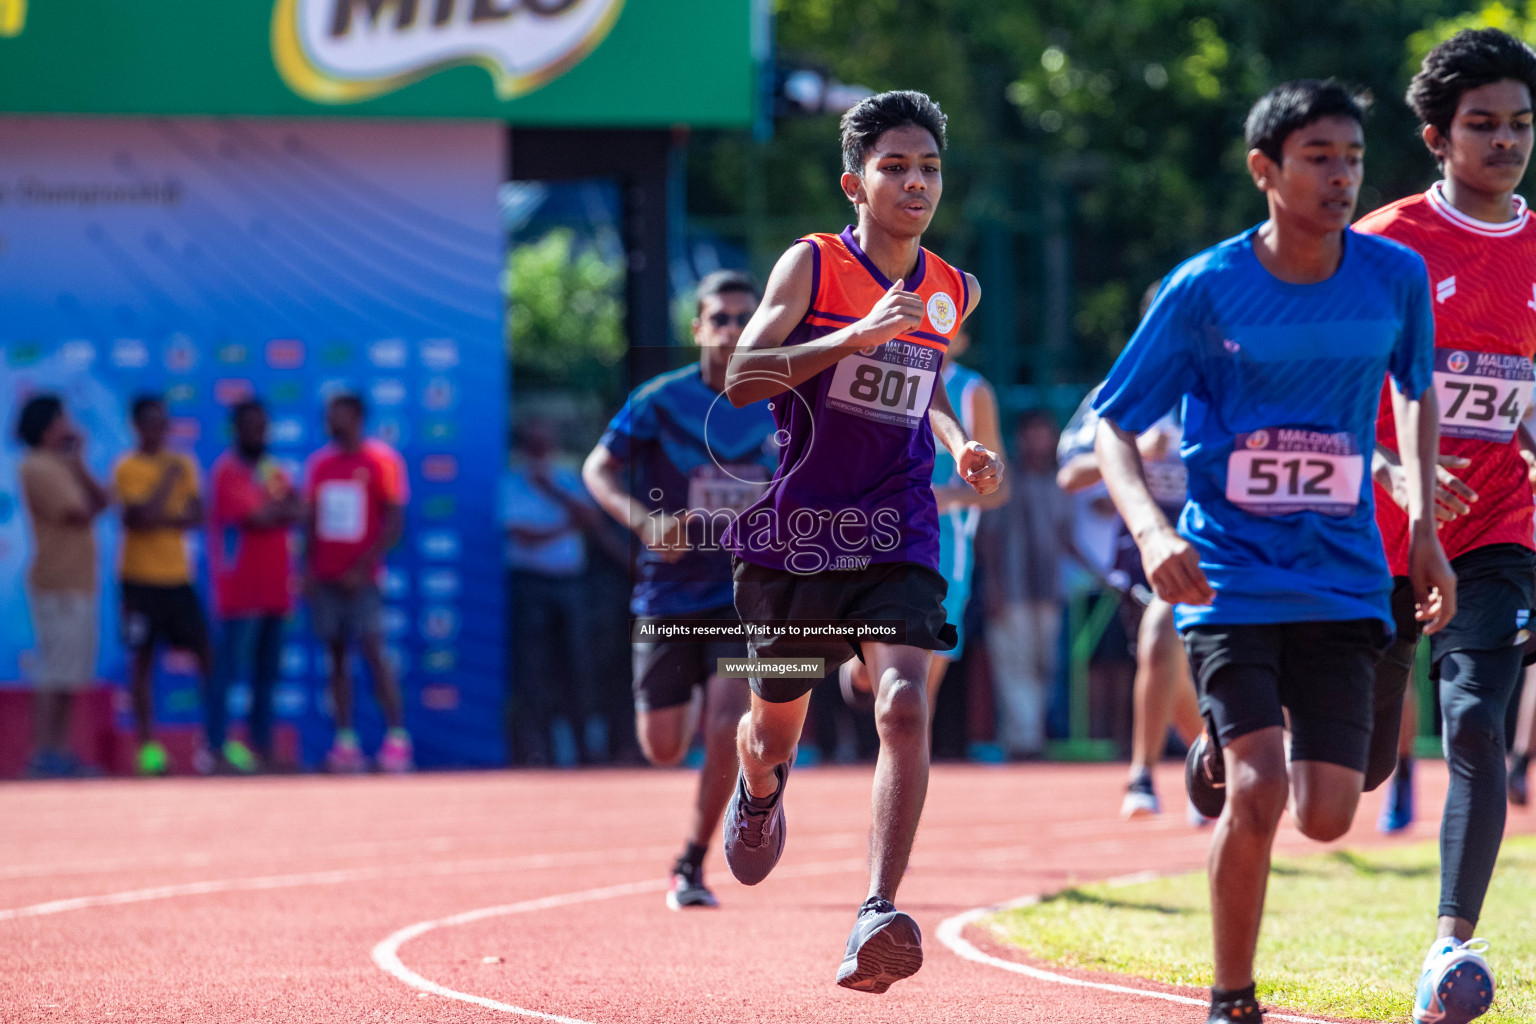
210	259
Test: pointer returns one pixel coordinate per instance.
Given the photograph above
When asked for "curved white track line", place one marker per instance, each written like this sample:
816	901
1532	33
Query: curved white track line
951	934
387	953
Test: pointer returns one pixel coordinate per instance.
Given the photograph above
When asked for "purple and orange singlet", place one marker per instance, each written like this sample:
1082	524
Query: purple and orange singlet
853	485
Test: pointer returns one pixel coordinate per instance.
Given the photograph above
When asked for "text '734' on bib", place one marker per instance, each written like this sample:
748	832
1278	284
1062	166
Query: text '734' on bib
1285	470
1482	395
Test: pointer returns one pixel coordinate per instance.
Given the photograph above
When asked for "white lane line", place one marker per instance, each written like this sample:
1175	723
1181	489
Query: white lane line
387	953
951	933
333	877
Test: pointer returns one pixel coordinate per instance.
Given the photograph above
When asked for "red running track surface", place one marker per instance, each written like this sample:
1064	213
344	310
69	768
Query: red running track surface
236	900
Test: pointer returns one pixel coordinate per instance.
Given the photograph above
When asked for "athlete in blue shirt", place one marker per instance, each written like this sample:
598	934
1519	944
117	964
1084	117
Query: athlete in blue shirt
1276	343
675	466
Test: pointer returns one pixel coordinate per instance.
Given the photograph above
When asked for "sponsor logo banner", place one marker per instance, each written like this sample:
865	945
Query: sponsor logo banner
346	51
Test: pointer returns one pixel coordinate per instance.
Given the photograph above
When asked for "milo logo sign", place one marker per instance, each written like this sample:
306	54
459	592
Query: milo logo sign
344	51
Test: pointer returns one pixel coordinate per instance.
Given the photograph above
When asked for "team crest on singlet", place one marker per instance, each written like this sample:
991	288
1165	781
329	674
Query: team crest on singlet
942	312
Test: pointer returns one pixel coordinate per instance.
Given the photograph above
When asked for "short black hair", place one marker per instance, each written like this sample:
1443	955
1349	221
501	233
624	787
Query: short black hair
1294	105
142	404
875	115
353	399
36	417
1470	59
722	282
248	404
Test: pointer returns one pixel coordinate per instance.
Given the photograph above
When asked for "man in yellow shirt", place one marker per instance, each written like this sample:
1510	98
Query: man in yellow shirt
158	490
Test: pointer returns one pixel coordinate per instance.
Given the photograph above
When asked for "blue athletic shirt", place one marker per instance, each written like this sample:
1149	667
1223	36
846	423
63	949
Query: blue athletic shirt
1280	384
690	451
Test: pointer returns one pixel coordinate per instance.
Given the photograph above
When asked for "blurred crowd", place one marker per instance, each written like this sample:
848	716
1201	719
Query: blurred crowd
347	505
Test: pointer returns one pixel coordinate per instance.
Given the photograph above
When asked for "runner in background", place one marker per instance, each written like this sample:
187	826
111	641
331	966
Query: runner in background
674	466
1473	97
1164	692
960	509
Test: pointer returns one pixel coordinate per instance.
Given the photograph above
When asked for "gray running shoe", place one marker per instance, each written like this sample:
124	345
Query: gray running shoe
884	947
688	890
754	835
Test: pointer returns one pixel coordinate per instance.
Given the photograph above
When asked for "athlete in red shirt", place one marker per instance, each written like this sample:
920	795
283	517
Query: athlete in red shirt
356	489
254	507
1474	99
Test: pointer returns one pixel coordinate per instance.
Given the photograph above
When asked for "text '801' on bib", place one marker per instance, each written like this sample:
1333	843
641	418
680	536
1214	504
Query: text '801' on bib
1286	470
890	383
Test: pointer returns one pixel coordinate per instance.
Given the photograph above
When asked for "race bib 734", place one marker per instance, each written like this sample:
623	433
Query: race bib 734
1482	395
1285	470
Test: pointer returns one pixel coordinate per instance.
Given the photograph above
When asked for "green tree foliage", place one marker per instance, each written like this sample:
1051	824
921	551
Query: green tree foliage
1128	115
565	310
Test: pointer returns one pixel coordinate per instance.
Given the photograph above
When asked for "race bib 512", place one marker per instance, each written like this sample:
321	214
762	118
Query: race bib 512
891	383
1285	470
1482	395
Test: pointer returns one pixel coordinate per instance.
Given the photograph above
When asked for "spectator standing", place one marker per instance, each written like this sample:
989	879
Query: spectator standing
159	492
254	505
63	501
356	489
1024	542
546	513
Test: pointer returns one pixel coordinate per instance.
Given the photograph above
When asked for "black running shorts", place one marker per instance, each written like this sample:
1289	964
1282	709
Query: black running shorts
154	615
1393	673
1323	673
1494	594
666	672
884	592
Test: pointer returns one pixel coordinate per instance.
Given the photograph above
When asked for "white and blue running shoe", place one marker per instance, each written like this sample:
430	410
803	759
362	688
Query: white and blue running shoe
1457	983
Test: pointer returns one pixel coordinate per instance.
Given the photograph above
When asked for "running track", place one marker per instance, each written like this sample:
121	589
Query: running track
538	896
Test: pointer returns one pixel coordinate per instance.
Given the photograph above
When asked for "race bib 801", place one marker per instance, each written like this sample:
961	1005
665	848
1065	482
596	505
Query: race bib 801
891	383
1281	471
1482	395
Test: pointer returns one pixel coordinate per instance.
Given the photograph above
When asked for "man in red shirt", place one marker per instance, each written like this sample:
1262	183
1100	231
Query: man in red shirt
1473	97
356	489
254	506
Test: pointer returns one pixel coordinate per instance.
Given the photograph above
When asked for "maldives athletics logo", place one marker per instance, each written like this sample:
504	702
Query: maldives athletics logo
346	51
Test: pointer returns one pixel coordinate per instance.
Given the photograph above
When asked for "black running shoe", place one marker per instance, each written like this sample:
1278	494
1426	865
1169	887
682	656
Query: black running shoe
1205	775
688	889
884	947
754	835
1235	1011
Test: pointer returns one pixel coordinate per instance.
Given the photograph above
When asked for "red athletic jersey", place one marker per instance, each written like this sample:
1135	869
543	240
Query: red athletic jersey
349	492
1484	281
249	565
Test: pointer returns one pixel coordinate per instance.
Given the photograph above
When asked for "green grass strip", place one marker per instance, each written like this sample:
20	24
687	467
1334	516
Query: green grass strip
1344	933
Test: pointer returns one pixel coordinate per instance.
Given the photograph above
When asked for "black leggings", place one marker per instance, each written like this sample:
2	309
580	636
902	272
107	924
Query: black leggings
1475	689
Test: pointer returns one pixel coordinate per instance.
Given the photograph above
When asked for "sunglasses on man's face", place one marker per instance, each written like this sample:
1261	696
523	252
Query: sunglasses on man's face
726	319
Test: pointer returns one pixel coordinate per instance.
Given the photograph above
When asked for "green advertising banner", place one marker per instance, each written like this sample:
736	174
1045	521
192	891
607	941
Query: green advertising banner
616	63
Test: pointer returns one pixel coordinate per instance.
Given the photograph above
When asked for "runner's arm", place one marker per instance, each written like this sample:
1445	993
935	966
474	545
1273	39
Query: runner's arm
984	403
1418	440
661	532
1451	493
762	367
978	465
1171	563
